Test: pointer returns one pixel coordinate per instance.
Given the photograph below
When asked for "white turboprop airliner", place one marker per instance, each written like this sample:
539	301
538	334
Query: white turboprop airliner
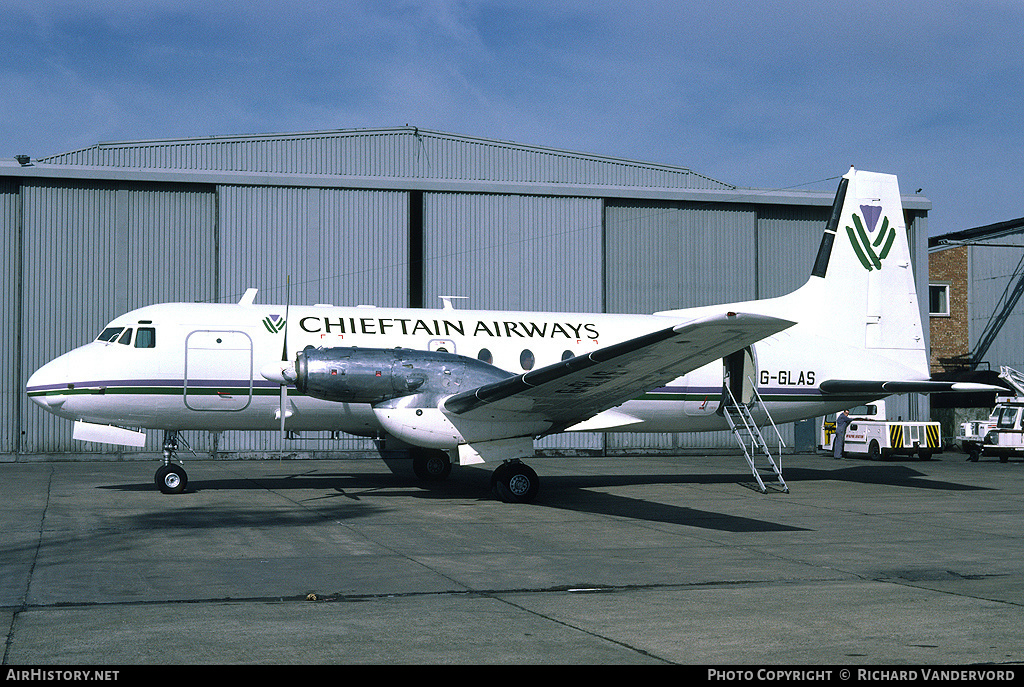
467	387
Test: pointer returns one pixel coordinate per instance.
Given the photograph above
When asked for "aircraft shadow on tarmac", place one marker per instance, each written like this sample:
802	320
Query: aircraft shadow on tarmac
354	495
576	494
349	495
877	473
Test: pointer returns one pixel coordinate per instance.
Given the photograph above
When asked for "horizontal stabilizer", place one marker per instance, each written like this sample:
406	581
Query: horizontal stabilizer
883	388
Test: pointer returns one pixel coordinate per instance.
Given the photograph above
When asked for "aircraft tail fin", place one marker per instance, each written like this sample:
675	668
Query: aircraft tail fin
861	291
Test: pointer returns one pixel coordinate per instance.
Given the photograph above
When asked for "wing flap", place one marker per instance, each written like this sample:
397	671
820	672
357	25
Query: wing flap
575	390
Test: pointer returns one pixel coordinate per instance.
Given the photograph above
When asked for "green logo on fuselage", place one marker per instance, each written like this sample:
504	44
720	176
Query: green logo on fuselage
273	323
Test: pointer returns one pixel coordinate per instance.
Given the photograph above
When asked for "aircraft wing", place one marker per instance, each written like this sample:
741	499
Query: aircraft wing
574	390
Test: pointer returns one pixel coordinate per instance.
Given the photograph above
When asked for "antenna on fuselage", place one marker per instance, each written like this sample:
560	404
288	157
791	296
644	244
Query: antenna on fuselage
447	300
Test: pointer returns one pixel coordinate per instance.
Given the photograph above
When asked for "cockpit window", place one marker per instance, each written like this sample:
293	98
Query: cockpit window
146	338
109	334
126	338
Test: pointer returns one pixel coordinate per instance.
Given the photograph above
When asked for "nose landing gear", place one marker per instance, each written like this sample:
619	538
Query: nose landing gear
171	478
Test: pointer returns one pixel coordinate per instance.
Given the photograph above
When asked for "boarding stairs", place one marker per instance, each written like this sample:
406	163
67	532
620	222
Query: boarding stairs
750	438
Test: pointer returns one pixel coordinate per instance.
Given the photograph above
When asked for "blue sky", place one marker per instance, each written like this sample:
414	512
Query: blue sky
760	94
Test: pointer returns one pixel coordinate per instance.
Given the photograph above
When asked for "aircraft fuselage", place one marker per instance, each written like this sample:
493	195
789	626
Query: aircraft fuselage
201	366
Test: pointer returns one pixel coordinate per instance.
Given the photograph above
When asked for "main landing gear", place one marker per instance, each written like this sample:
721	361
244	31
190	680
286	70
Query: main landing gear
431	465
512	482
171	478
515	482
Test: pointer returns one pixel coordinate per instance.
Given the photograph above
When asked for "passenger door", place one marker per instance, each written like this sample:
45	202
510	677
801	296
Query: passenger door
218	370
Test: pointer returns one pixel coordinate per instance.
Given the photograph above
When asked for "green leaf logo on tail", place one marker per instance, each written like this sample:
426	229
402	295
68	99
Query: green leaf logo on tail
274	323
871	247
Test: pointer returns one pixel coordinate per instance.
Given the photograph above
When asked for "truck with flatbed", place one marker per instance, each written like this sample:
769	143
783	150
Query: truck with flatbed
871	434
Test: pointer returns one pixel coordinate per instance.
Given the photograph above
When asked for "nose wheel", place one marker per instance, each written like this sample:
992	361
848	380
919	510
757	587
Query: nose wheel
171	478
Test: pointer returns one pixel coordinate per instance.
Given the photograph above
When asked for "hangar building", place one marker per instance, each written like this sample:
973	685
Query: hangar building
976	281
389	217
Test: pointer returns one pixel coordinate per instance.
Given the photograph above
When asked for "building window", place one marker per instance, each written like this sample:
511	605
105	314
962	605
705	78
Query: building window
938	300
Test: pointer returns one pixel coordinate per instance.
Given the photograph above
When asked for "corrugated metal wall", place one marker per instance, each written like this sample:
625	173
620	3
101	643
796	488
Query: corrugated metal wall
787	243
338	246
10	309
991	271
665	255
513	252
170	254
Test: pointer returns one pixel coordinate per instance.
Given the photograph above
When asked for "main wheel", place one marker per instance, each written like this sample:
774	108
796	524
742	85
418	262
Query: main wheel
431	465
171	479
515	483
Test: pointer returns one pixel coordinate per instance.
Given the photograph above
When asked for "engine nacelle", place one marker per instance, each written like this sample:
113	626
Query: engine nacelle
373	375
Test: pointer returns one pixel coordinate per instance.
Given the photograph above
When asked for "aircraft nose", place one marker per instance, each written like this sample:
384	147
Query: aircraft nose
46	383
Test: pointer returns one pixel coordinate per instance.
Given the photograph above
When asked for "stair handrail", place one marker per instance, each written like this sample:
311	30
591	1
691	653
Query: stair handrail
768	415
754	432
750	430
736	433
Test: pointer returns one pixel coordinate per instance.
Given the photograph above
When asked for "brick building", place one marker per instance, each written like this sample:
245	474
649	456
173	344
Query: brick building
948	287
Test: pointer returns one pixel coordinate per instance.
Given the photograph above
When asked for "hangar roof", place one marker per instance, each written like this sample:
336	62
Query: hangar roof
977	235
401	158
404	152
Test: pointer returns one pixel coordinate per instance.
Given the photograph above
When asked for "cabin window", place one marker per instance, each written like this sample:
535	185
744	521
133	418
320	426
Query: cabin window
109	334
567	354
485	355
146	338
526	359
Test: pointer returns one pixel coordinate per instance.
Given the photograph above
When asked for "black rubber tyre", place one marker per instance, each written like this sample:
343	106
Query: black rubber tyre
874	453
431	465
515	483
171	479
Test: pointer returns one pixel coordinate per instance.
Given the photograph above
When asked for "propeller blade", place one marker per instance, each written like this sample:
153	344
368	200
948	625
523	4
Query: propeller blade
284	400
287	307
284	352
